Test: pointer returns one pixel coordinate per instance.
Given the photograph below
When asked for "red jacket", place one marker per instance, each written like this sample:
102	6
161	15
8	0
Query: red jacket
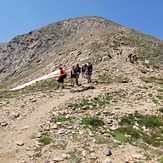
62	72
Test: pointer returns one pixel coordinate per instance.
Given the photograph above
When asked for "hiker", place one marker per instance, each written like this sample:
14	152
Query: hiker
130	57
88	72
83	70
73	76
62	76
77	73
135	59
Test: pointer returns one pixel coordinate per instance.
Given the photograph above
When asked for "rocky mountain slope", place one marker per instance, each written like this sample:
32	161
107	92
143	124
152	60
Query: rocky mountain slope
50	44
31	55
116	118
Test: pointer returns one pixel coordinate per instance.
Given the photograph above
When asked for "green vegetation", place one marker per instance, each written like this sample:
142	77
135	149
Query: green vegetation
61	119
152	80
117	108
160	90
45	140
7	94
121	79
80	105
108	79
152	124
150	95
144	71
92	104
33	136
101	140
96	46
121	93
120	136
60	144
160	97
75	157
161	160
37	87
74	136
104	79
155	99
161	110
92	122
41	86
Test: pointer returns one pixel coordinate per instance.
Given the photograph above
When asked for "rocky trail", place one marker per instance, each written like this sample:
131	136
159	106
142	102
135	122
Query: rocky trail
60	114
23	128
17	146
19	129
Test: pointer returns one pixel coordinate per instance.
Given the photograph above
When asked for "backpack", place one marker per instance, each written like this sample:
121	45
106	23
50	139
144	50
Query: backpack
65	75
83	67
90	67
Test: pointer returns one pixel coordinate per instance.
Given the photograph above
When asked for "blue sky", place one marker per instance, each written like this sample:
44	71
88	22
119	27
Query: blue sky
21	16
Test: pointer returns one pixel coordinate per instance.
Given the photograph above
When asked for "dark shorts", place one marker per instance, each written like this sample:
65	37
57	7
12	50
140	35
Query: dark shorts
88	73
61	79
73	76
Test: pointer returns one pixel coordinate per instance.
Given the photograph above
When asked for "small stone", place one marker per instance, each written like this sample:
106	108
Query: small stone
4	124
30	154
33	100
64	156
62	131
84	153
70	150
46	128
107	152
38	135
20	143
25	127
55	126
85	107
130	159
138	156
15	115
107	160
93	156
58	159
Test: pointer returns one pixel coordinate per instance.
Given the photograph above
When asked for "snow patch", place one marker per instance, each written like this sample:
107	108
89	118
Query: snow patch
53	74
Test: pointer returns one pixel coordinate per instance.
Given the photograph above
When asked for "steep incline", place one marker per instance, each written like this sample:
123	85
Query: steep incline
67	42
46	45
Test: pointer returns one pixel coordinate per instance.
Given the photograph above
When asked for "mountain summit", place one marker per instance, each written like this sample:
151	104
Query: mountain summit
70	41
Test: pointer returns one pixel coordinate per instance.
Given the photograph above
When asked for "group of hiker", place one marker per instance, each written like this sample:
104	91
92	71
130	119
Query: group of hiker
85	70
132	58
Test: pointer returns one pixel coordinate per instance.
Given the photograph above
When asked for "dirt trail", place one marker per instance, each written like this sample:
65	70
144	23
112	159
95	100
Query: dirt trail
24	128
27	126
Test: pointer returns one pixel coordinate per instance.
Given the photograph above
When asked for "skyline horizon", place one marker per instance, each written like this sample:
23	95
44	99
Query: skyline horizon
80	17
20	17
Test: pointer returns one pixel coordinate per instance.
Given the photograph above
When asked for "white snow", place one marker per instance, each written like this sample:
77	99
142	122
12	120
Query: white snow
55	73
